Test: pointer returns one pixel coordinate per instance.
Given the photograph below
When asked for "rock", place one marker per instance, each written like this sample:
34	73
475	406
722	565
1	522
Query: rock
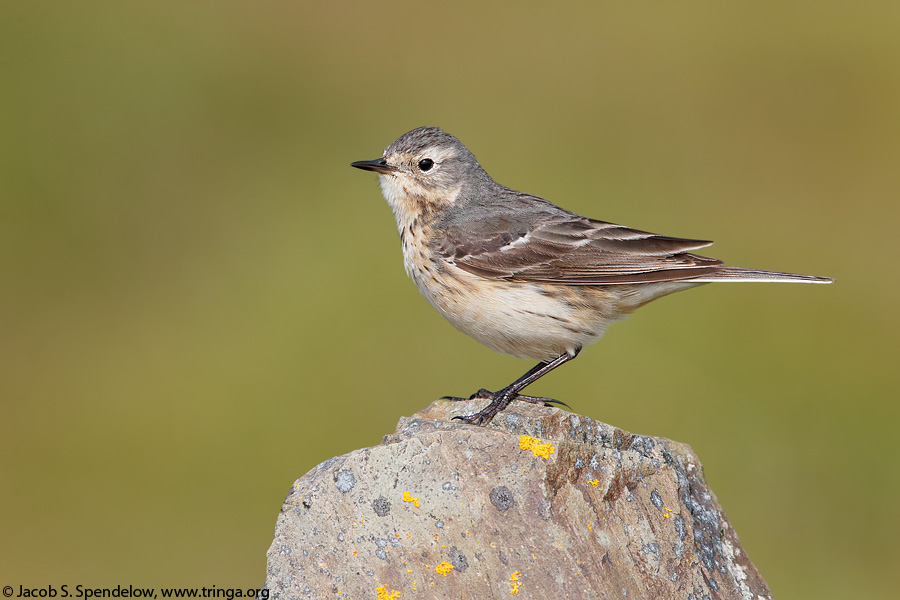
541	503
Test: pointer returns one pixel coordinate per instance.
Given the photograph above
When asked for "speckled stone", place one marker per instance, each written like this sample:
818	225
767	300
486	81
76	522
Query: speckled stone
541	503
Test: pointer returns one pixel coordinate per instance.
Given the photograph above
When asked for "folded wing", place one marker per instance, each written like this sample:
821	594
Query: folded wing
572	249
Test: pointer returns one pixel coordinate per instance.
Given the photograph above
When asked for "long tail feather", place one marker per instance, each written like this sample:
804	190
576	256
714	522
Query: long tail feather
740	274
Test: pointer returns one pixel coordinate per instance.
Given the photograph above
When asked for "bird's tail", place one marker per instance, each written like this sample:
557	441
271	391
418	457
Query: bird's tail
740	274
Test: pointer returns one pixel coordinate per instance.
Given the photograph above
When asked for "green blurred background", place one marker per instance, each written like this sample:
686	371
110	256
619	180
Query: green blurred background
200	300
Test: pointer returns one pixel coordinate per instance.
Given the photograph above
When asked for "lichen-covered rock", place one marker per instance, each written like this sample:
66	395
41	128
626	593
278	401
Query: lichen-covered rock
541	503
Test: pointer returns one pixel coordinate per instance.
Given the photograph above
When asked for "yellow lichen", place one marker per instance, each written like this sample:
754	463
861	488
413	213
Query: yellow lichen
383	594
538	447
444	568
594	482
514	583
407	497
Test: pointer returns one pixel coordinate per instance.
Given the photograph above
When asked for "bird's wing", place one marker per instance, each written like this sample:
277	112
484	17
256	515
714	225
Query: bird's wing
566	248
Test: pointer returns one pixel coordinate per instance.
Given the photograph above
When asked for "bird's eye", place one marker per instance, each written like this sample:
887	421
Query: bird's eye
425	165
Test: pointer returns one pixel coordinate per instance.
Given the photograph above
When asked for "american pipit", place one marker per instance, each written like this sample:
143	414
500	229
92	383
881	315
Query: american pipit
519	274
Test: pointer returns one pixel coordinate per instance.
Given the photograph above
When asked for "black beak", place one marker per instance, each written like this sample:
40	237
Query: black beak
379	165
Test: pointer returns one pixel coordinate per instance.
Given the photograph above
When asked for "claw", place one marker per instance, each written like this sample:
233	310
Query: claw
550	402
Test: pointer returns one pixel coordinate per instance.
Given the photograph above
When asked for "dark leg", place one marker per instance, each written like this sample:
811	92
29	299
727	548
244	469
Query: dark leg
501	399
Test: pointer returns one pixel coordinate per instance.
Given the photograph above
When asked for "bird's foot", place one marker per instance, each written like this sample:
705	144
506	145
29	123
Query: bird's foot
499	401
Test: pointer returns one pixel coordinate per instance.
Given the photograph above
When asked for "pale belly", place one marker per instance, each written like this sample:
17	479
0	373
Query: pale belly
526	320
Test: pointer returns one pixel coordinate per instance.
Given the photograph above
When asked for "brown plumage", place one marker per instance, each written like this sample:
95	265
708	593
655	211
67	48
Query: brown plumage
518	273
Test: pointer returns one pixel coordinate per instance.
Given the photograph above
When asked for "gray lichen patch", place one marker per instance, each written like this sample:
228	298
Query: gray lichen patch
502	498
381	506
344	480
458	559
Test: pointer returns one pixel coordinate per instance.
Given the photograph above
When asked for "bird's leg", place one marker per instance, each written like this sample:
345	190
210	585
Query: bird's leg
502	398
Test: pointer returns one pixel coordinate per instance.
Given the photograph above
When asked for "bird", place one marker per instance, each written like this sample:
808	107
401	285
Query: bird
519	274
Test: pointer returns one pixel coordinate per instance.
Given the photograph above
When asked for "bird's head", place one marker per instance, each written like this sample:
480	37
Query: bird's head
424	170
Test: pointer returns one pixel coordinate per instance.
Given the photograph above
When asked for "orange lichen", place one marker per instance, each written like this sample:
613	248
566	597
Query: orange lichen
538	447
407	497
444	568
383	594
514	583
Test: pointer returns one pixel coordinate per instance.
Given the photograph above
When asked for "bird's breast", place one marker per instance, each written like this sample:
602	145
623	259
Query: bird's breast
527	320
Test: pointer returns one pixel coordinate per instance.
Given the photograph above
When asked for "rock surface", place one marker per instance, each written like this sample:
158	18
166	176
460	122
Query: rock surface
541	503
